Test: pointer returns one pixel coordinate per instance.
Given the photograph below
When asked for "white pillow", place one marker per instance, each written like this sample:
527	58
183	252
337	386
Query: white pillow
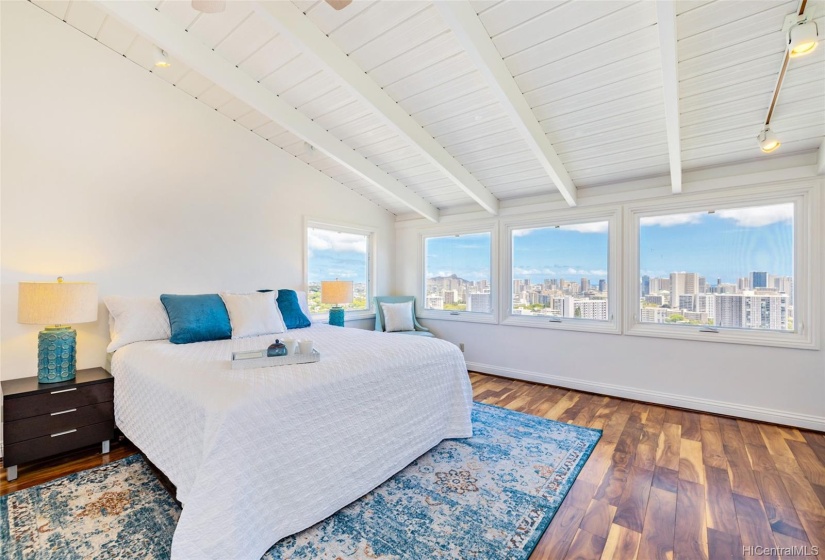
253	314
302	301
133	319
398	317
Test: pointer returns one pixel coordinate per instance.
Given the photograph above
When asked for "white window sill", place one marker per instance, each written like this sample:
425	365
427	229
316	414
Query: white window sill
323	318
566	324
754	337
461	316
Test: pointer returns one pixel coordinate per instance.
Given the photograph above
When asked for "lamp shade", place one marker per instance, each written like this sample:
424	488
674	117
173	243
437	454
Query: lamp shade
336	291
56	303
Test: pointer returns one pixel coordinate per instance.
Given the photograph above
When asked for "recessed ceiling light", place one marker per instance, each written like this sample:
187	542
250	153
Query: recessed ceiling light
161	58
802	38
768	141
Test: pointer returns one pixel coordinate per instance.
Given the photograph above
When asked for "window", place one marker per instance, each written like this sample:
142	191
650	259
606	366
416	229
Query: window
337	253
562	273
458	275
732	270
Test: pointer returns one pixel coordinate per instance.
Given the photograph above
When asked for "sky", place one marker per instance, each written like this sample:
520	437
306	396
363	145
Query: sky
727	244
334	255
467	256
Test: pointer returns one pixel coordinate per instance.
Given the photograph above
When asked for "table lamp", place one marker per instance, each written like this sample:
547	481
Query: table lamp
336	292
56	304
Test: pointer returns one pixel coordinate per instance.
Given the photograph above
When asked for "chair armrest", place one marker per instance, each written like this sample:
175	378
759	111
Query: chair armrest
419	326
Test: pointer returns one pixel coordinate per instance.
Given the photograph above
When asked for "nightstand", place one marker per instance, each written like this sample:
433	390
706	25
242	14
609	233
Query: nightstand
41	420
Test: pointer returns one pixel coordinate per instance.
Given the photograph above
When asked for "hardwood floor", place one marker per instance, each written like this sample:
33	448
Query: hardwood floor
674	484
661	483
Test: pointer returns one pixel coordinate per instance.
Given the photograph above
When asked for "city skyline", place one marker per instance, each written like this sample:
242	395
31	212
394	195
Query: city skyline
726	244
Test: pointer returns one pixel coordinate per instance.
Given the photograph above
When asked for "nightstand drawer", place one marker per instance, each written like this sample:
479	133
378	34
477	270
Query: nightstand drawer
56	400
59	421
60	442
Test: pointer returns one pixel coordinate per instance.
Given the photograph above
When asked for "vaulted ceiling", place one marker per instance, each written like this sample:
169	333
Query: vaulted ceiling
423	106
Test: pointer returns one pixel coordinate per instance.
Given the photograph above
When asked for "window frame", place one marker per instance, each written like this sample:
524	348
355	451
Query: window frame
462	316
805	198
370	233
613	217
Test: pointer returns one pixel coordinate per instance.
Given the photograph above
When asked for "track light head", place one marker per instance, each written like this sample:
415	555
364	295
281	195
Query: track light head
768	141
802	38
161	58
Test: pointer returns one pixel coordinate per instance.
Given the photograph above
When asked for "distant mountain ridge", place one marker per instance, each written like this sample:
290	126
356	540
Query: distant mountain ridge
451	277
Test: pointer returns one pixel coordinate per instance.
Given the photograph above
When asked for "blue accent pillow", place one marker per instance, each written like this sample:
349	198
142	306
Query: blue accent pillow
291	311
197	318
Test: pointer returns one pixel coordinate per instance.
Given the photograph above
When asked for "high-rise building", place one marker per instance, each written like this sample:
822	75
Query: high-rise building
686	302
591	309
584	308
655	299
682	283
450	297
435	302
758	280
729	310
743	284
766	312
645	285
479	303
654	314
602	285
659	285
705	303
585	285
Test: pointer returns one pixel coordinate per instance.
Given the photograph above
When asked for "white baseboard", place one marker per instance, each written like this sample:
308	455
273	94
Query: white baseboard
705	405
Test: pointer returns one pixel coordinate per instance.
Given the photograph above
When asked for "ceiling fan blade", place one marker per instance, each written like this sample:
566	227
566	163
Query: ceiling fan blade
209	6
339	4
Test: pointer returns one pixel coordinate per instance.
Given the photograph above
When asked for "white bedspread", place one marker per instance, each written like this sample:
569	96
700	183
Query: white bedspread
260	454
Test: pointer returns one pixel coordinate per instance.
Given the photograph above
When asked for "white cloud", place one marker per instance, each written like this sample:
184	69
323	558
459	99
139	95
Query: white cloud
758	216
522	232
520	270
583	272
340	273
673	219
593	227
326	240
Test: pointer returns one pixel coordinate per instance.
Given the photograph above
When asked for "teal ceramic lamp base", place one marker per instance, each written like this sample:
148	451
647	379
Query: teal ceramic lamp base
336	316
56	354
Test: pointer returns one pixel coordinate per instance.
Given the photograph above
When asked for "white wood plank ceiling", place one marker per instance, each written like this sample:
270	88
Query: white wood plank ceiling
590	71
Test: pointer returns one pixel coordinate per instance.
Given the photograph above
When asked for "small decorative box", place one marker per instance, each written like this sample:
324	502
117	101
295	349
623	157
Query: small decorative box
258	359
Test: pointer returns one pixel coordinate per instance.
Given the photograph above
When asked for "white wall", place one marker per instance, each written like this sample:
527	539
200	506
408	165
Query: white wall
111	175
773	384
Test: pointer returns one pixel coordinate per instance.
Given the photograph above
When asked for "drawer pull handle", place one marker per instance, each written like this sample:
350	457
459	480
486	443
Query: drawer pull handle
63	412
64	390
64	433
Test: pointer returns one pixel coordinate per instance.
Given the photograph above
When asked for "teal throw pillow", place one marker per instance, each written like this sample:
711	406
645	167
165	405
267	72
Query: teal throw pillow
197	318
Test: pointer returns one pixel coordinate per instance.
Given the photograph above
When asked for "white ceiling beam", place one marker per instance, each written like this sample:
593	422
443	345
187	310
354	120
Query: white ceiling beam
666	18
174	39
820	162
290	21
469	30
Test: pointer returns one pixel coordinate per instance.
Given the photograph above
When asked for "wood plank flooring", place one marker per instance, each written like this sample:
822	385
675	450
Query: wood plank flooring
674	484
661	483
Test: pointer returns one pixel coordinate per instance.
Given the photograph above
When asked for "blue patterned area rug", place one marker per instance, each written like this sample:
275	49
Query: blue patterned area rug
489	497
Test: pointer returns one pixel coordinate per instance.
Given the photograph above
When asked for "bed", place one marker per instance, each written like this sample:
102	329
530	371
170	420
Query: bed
260	454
